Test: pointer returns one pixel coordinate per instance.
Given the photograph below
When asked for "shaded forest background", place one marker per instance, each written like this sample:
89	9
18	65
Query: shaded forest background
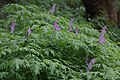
94	8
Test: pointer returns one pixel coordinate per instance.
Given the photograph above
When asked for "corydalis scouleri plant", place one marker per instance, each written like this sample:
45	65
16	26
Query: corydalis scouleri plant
12	27
28	31
76	30
70	25
53	8
57	28
101	37
90	64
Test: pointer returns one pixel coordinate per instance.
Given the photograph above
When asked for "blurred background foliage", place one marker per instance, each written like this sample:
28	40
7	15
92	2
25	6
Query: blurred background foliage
69	8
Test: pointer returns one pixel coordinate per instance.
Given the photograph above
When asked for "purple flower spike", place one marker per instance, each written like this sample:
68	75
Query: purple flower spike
53	8
102	38
91	63
70	25
76	30
12	27
55	23
71	21
29	32
89	66
104	30
57	28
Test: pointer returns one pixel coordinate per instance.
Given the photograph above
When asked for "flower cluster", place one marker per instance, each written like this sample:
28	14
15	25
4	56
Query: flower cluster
57	28
90	64
70	25
101	37
12	27
104	30
53	8
76	30
29	31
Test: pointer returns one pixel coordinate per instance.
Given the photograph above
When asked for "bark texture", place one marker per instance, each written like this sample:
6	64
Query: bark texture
97	7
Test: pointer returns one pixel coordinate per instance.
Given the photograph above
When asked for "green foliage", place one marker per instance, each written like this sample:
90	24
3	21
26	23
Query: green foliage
64	8
52	55
117	4
114	34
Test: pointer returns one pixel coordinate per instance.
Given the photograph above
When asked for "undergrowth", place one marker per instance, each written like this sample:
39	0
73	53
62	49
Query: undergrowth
47	54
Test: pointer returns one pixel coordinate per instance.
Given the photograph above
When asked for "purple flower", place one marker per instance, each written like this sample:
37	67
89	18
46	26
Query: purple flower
93	61
104	30
28	31
70	25
53	8
101	38
57	28
76	30
71	21
55	23
90	64
12	27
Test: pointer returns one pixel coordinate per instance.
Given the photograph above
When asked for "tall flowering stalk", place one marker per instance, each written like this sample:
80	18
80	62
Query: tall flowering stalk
104	30
70	25
101	37
76	30
90	64
12	27
29	31
57	28
53	8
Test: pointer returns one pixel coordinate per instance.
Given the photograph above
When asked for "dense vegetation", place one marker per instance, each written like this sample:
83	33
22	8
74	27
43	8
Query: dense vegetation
33	47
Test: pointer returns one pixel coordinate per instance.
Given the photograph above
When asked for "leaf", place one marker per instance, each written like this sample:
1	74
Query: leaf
35	67
3	75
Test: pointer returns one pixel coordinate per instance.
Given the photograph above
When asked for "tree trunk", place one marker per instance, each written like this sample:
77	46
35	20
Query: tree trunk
95	8
118	17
